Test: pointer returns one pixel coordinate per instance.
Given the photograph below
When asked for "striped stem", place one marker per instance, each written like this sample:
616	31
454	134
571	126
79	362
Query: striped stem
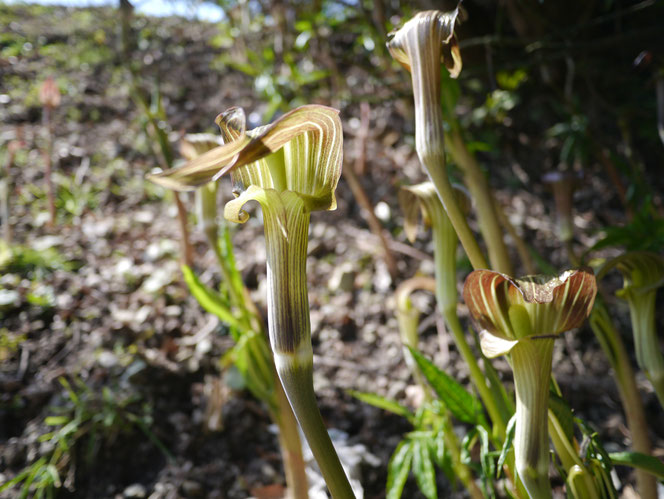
286	238
531	363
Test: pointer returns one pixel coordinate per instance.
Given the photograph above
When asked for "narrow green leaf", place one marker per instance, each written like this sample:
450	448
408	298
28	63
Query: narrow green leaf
640	461
72	394
423	468
210	300
442	456
507	445
21	476
486	456
383	403
462	404
52	472
562	411
398	469
56	420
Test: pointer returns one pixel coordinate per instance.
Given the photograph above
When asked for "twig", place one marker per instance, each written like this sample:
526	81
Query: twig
361	196
360	236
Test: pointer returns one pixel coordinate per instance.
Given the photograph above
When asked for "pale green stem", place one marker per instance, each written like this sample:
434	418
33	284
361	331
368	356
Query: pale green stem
291	446
648	353
290	336
429	144
487	216
445	243
408	320
531	364
614	349
581	484
578	476
460	468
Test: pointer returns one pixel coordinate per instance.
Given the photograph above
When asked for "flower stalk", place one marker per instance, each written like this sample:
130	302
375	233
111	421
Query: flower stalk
614	348
423	198
563	185
49	96
419	46
485	202
522	318
531	364
643	274
291	167
263	376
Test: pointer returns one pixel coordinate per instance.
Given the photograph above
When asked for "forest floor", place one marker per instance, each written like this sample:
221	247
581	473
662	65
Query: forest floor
99	299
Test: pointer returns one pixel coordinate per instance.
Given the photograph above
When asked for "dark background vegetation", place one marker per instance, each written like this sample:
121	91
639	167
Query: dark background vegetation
96	306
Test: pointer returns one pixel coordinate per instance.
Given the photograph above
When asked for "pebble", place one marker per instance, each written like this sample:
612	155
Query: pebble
135	491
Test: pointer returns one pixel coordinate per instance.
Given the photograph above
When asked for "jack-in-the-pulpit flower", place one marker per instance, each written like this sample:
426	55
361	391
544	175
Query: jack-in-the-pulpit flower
643	274
291	167
419	46
522	318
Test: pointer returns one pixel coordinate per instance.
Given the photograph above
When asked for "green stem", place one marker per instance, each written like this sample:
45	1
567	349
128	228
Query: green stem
297	379
429	143
291	446
578	476
438	175
531	364
488	396
487	217
648	353
460	468
286	238
445	244
614	349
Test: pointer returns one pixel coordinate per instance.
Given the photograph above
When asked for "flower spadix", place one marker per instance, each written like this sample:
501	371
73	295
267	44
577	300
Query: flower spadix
523	317
291	167
643	274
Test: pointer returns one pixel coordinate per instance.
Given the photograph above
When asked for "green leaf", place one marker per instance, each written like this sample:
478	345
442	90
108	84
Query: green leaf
563	413
462	404
56	420
640	461
21	476
383	403
398	469
210	300
507	445
442	456
486	456
423	468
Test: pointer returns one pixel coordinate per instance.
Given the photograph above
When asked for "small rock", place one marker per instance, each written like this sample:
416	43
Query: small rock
136	491
107	359
343	278
9	297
